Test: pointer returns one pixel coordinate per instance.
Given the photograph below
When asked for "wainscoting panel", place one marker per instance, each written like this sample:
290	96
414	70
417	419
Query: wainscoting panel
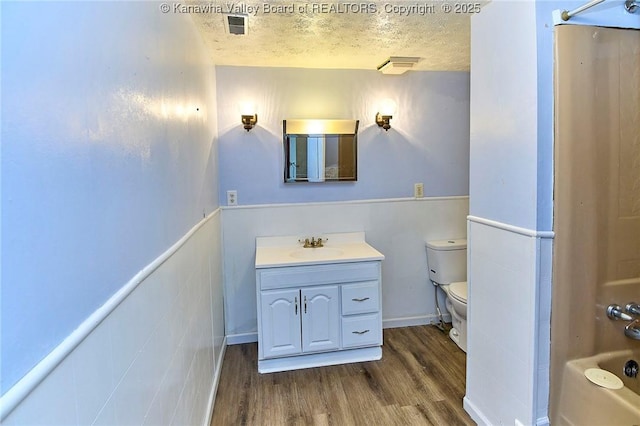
154	358
508	323
396	227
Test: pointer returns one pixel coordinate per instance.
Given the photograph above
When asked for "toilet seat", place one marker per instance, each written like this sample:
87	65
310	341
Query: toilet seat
458	291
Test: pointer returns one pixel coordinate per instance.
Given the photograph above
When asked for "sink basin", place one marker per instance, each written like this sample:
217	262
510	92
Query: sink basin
346	247
316	253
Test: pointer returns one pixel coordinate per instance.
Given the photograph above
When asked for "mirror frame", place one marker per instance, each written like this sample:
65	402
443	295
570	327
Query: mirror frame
319	128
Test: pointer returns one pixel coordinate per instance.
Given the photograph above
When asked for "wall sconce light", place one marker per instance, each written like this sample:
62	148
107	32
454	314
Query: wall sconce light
248	121
248	114
383	121
386	110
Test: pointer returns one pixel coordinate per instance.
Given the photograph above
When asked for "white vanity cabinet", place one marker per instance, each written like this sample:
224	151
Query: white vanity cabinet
300	320
315	315
317	306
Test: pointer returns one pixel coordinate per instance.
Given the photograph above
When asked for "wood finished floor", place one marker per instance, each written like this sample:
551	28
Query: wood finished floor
420	380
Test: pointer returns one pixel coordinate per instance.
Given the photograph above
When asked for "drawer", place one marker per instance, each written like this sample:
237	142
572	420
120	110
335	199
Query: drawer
360	298
361	330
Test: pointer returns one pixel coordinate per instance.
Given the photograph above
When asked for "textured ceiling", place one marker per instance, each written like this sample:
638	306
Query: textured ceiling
336	35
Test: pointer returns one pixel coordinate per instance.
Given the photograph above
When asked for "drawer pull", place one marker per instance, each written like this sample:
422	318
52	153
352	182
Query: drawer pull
360	332
355	299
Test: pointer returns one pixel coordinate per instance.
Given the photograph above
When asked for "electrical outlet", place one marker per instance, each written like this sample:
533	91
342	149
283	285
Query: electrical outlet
418	190
232	198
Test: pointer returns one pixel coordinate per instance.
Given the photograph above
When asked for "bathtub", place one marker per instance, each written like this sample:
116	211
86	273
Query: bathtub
583	403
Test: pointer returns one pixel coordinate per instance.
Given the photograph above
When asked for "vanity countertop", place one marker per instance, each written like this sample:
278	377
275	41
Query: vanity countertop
272	252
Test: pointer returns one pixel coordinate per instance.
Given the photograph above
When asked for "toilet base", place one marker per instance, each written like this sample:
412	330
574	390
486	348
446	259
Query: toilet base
454	335
458	332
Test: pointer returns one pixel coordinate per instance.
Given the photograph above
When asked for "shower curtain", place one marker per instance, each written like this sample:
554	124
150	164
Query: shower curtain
596	192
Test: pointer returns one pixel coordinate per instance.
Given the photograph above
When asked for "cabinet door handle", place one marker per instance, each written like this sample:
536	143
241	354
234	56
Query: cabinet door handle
296	303
355	299
305	304
360	332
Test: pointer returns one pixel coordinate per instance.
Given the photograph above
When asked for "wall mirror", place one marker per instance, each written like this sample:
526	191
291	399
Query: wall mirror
320	150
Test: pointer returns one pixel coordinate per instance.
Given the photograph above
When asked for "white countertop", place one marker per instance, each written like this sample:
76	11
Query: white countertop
339	248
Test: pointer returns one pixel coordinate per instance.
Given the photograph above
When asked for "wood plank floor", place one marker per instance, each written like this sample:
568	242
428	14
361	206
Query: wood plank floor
420	380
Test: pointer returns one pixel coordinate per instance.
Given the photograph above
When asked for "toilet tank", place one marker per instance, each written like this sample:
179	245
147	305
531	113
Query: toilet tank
447	260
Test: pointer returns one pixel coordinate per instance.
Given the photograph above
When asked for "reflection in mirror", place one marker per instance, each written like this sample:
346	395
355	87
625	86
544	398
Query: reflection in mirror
320	150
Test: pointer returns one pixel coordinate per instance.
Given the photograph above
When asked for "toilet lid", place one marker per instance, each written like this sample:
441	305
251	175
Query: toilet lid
458	291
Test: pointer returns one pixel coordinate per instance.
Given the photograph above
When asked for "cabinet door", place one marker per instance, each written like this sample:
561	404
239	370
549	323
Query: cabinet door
281	310
320	318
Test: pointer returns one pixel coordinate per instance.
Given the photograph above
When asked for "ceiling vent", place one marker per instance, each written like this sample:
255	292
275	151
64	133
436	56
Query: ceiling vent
397	65
236	24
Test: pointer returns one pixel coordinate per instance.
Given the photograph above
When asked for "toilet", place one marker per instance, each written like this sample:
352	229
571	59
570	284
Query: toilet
447	263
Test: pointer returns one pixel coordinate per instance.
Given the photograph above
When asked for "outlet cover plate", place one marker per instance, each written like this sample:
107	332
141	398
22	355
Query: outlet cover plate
232	198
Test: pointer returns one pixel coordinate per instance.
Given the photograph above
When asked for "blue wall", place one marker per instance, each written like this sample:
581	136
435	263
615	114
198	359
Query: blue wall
428	141
108	158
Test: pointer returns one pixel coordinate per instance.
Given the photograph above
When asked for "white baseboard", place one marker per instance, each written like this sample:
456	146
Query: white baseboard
413	321
238	339
478	417
475	414
216	381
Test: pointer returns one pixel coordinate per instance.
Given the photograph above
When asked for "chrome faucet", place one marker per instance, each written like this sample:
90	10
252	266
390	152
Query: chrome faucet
632	330
615	312
632	308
